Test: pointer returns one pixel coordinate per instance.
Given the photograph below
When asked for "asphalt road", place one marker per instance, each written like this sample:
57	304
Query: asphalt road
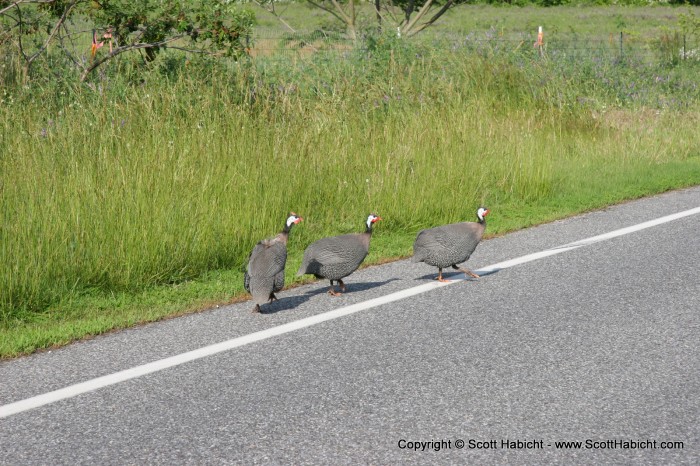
598	343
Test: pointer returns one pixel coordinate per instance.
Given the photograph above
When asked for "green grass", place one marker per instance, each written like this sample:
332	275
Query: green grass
140	202
585	21
644	23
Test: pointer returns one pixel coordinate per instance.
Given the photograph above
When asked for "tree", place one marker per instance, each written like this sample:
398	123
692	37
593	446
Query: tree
345	14
217	27
408	17
419	15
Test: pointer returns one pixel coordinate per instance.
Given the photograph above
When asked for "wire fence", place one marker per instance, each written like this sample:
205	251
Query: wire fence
274	47
611	46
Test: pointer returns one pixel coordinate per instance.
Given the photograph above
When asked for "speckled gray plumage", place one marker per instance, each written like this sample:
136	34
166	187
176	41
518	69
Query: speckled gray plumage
265	272
335	257
447	245
278	282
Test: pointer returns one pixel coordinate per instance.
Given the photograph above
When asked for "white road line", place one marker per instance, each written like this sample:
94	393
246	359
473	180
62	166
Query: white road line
138	371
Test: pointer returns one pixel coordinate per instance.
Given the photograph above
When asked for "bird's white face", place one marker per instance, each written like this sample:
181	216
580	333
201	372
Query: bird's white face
372	219
293	219
481	213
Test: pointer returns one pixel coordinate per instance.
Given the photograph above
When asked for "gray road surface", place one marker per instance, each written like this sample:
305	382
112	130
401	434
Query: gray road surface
600	343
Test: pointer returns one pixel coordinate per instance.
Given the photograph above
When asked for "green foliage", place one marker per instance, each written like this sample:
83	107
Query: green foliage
215	25
53	30
384	47
689	23
553	3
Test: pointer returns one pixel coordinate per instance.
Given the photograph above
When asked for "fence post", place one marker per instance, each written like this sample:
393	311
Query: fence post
539	44
621	51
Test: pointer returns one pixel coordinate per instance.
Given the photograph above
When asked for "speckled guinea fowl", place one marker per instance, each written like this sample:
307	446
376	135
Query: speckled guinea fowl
449	245
265	272
337	257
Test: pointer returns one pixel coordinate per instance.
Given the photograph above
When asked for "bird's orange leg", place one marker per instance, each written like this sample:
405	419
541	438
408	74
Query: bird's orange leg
439	277
466	272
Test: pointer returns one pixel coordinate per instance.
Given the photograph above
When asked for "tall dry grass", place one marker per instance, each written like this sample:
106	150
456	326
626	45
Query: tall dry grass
125	189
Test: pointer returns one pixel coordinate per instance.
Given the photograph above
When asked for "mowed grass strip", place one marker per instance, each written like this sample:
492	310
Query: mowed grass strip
125	209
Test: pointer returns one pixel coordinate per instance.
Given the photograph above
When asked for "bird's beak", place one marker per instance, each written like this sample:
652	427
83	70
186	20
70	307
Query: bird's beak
298	220
377	219
487	212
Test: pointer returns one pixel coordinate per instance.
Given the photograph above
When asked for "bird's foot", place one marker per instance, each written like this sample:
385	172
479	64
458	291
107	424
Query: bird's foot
439	277
256	309
467	273
332	292
273	297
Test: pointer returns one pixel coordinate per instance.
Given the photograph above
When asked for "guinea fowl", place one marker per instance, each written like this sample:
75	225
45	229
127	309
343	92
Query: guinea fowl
265	273
450	245
337	257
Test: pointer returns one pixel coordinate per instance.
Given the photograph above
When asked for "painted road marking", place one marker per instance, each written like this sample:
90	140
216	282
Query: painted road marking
149	368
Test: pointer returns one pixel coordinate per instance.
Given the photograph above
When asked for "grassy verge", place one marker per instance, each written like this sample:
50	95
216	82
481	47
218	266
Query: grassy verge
140	202
98	313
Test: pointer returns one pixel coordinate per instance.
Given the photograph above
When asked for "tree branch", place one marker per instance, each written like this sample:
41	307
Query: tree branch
423	10
348	18
340	10
65	49
318	5
435	17
390	11
274	13
126	48
7	31
410	8
58	25
9	7
20	22
382	17
377	12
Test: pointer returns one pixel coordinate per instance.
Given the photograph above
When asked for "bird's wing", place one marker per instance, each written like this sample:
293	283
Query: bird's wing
432	239
267	259
279	282
468	234
453	238
336	250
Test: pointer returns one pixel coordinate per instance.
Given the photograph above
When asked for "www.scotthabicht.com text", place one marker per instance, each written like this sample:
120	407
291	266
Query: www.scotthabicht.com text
537	444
